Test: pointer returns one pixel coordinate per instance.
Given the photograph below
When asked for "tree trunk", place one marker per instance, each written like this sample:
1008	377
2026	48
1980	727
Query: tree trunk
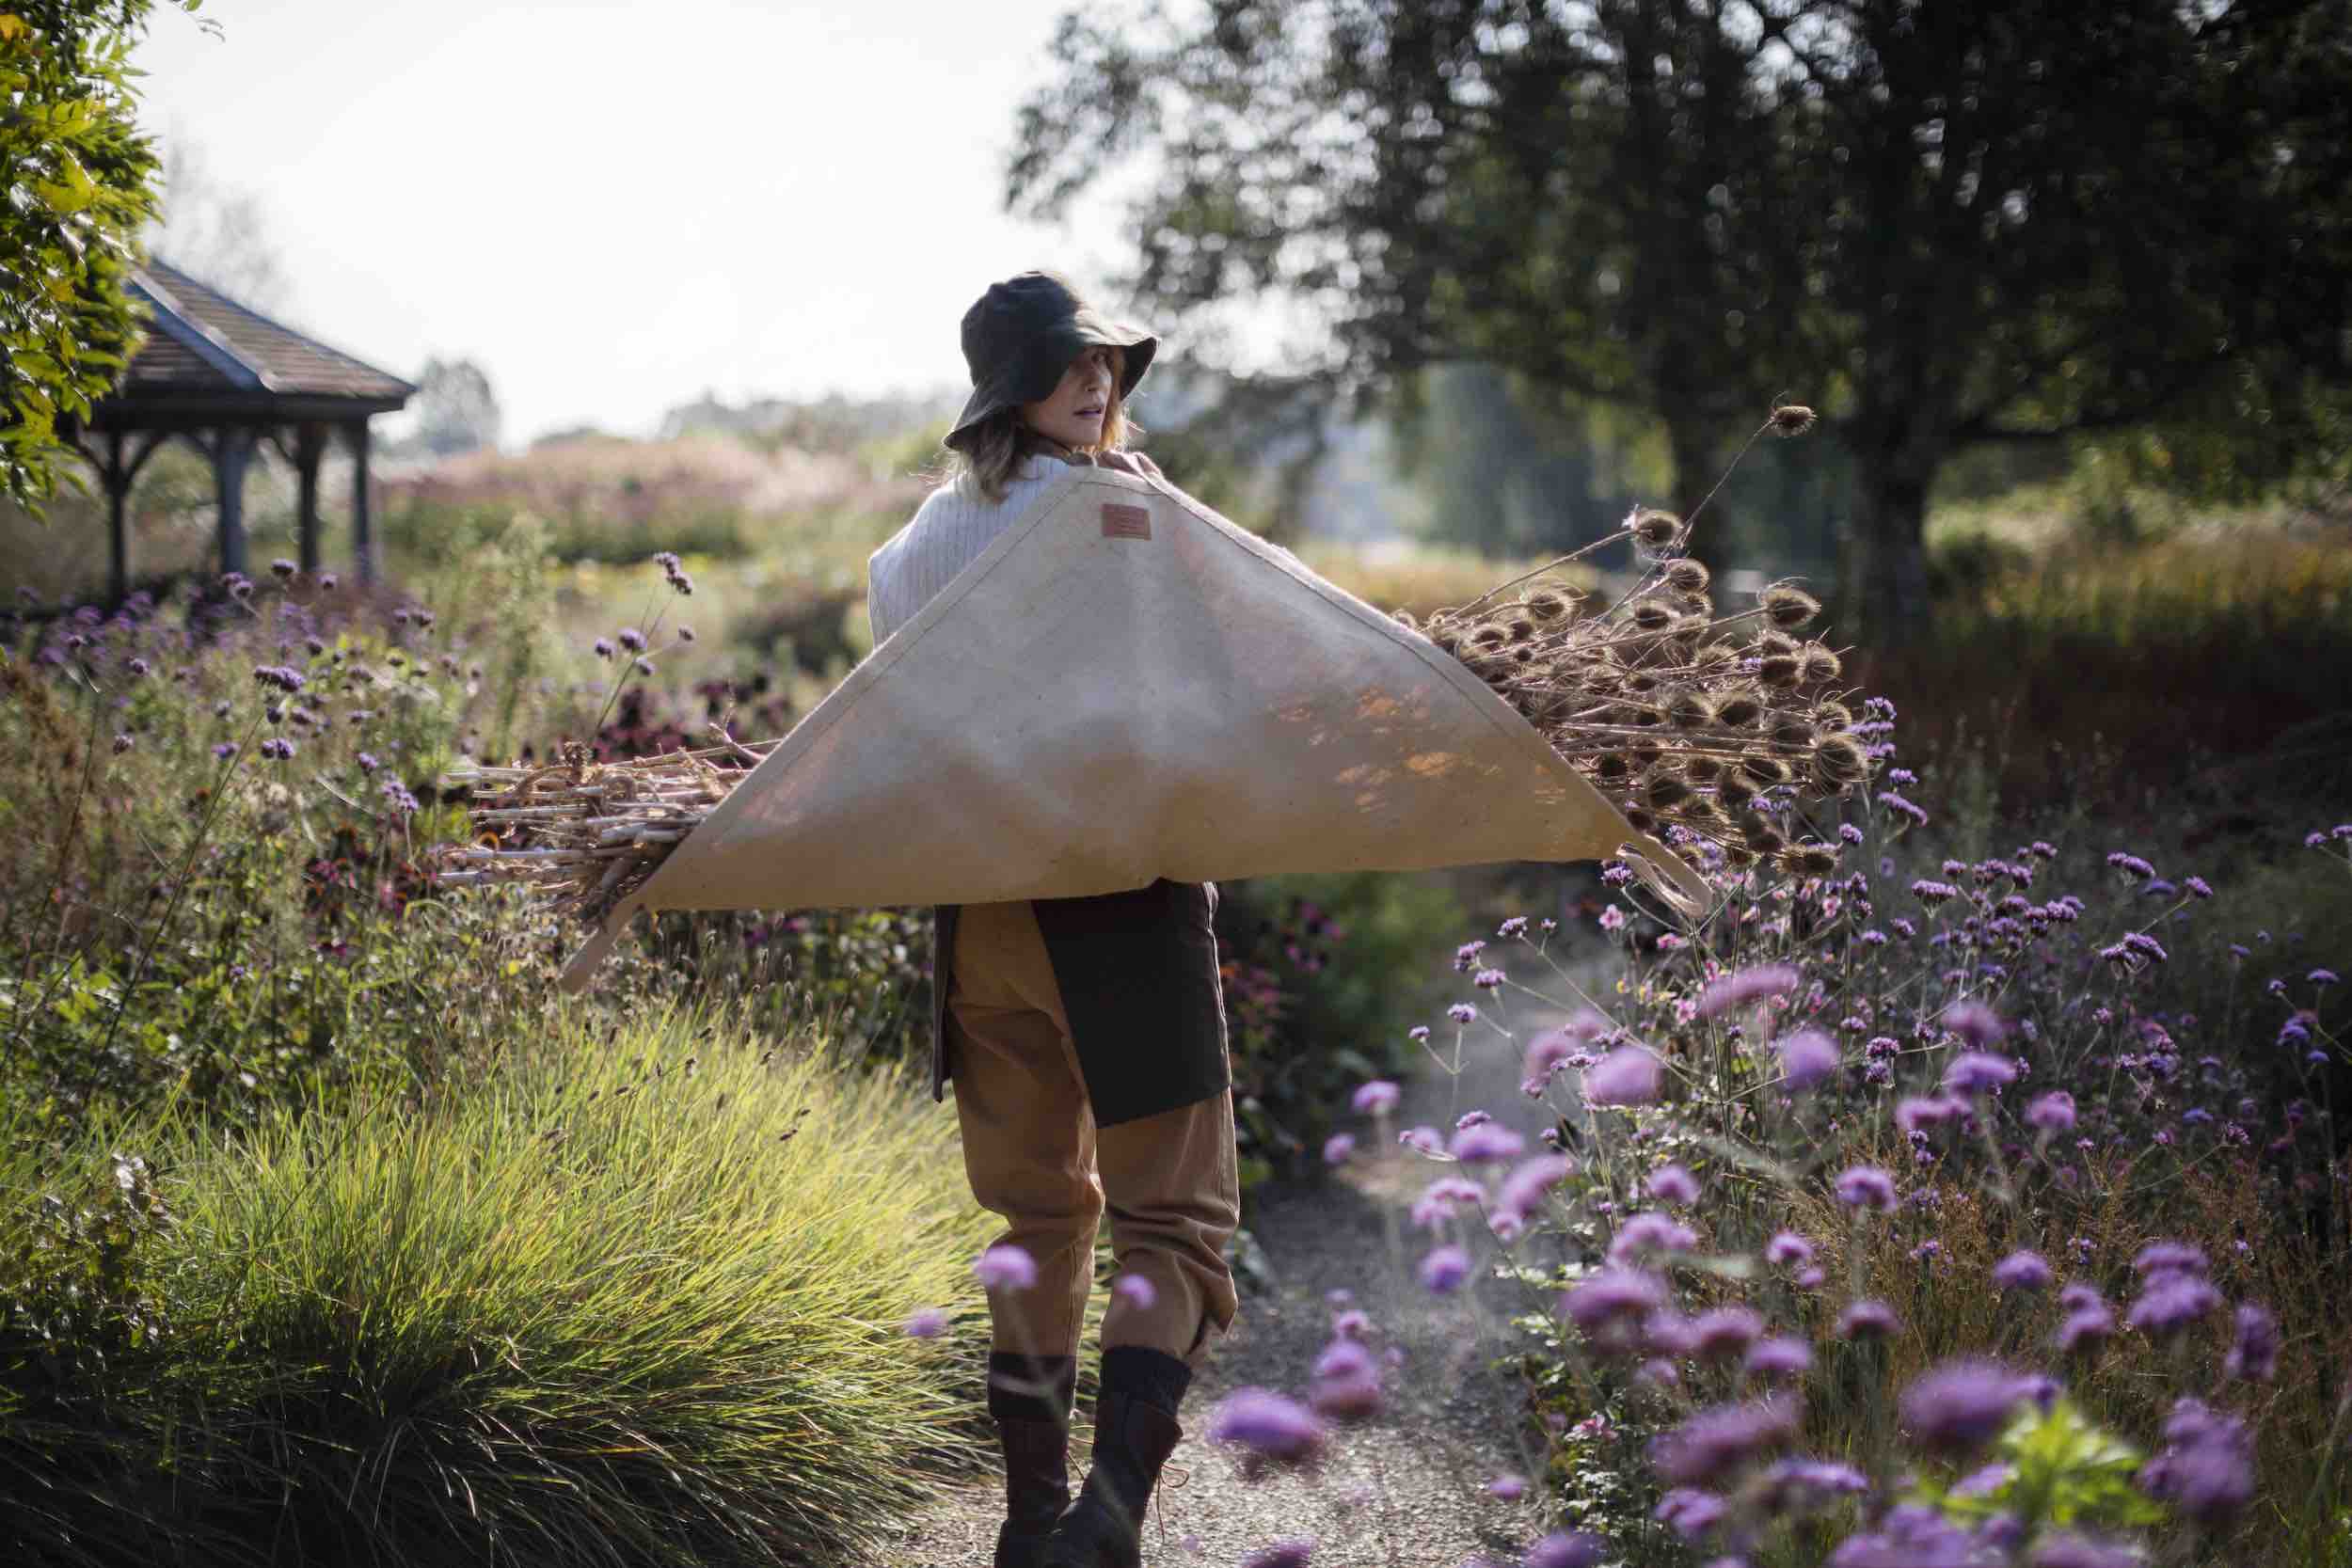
1883	565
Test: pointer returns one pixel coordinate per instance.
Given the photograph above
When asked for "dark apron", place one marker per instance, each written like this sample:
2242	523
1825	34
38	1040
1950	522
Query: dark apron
1138	979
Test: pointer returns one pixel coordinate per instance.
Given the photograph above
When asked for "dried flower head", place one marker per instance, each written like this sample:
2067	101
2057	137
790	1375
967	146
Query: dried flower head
1791	418
1789	607
1654	528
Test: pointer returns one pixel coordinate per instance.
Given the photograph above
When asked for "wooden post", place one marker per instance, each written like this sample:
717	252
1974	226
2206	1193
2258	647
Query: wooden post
309	445
362	540
233	451
117	476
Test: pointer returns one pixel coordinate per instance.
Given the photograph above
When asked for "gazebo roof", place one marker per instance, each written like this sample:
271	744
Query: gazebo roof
209	360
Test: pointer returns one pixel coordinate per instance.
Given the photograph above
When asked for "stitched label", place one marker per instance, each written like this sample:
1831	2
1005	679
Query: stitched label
1125	522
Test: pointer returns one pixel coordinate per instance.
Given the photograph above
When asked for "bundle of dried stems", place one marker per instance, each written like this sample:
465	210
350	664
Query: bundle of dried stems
1682	717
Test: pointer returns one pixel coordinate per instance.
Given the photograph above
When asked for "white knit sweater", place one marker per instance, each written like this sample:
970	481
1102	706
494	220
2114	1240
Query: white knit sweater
946	534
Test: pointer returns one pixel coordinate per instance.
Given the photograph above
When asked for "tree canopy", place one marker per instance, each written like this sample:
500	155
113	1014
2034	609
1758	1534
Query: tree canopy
80	183
1941	222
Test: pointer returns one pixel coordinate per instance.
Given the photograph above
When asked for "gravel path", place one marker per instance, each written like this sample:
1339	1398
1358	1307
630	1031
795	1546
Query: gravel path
1407	1488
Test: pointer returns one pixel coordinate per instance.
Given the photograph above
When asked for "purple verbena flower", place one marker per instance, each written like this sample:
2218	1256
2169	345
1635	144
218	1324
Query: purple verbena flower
1807	1058
1788	1247
1782	1356
2207	1468
1004	1267
1485	1143
1718	1441
926	1323
1866	1187
2254	1350
1673	1184
1268	1425
1337	1148
1747	985
2022	1271
1444	1269
1346	1381
2052	1112
1959	1405
1377	1098
1975	1072
1630	1075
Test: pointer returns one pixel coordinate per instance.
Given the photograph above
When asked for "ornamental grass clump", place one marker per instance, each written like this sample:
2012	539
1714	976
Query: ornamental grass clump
650	1293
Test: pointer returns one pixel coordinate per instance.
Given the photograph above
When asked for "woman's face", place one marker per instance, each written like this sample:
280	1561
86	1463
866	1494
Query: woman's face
1073	413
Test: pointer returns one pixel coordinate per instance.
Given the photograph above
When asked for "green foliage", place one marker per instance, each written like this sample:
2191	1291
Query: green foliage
2057	1469
635	1297
81	186
1320	978
1682	238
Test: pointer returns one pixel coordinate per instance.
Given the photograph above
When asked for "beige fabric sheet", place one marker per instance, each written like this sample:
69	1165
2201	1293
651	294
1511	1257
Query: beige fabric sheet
1126	686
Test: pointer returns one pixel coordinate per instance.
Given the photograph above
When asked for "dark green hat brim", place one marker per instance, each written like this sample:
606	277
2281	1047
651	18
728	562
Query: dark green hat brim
1037	370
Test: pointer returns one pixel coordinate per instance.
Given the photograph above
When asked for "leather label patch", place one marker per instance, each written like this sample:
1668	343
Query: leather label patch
1125	522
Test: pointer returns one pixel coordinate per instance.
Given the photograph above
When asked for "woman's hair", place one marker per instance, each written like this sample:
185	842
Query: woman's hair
998	444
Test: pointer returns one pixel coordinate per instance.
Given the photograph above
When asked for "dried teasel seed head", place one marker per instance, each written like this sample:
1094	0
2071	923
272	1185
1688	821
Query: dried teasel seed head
1652	615
1612	766
1699	767
1734	792
1739	710
1819	663
1521	627
1688	576
1697	607
1642	821
1739	856
1764	769
1832	716
1654	528
1809	859
1760	834
1447	637
1644	752
1641	681
1790	734
1791	418
1839	761
1522	654
1489	635
1716	654
1780	671
1663	791
1547	605
1777	643
1691	710
1789	607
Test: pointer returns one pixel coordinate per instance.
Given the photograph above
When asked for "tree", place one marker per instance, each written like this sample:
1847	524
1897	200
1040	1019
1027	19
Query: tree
79	178
456	412
1941	221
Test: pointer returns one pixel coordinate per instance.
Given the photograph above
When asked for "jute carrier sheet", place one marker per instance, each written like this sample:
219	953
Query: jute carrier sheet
1124	685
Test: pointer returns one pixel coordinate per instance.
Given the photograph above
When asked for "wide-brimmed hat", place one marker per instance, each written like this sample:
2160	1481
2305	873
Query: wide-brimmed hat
1020	336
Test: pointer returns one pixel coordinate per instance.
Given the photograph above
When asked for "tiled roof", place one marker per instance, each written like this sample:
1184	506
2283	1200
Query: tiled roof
201	342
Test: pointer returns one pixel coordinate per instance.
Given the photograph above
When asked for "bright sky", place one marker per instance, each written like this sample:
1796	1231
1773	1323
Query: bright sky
613	208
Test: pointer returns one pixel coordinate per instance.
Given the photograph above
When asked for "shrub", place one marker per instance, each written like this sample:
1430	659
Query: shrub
1848	1078
1319	976
637	1297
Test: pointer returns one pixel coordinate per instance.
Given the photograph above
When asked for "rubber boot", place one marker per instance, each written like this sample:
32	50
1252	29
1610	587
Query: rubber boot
1135	1432
1034	1432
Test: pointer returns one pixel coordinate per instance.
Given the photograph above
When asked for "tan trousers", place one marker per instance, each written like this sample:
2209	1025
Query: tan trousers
1034	1155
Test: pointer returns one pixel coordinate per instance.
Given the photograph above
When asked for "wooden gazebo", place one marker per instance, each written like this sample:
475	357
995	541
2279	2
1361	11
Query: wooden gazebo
225	379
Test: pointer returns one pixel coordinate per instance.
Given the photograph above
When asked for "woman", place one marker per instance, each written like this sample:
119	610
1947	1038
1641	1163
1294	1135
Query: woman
1085	1036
